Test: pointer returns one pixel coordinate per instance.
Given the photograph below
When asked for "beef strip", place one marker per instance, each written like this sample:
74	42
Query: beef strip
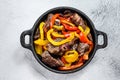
67	13
75	40
47	23
66	46
82	48
37	34
74	47
77	20
49	60
90	37
53	49
58	39
60	53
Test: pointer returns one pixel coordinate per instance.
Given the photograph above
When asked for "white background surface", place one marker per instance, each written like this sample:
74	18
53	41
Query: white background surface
18	63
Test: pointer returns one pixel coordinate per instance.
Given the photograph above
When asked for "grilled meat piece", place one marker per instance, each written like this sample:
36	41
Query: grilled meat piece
53	49
67	13
74	47
49	60
77	20
47	23
64	47
67	46
75	40
82	48
90	37
37	34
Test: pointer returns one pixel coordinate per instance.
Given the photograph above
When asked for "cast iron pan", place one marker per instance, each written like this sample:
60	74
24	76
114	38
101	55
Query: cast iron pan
95	33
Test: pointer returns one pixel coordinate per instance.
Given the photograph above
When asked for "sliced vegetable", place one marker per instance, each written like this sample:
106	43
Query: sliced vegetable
86	31
53	20
56	34
58	27
41	42
62	18
63	60
80	28
84	38
38	49
67	22
66	34
71	67
41	30
71	56
67	27
60	42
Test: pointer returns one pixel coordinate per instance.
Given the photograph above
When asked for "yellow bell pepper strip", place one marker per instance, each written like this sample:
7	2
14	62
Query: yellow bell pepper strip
67	22
38	49
77	35
86	31
58	27
41	42
68	66
41	30
56	34
71	56
80	28
53	20
60	42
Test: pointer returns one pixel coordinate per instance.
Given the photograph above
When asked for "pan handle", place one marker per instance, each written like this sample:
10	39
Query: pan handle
105	39
22	39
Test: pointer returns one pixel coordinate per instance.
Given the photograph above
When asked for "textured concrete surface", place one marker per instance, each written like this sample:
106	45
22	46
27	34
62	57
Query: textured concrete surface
17	63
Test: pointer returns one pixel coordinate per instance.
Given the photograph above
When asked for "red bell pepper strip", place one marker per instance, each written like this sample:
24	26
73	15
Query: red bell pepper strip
62	18
66	34
78	31
70	28
71	67
63	60
84	38
53	20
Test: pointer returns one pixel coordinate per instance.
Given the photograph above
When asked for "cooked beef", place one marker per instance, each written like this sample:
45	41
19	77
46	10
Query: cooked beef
49	60
53	49
58	39
60	53
47	23
64	47
74	47
73	41
82	48
90	37
57	22
67	13
37	34
77	20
